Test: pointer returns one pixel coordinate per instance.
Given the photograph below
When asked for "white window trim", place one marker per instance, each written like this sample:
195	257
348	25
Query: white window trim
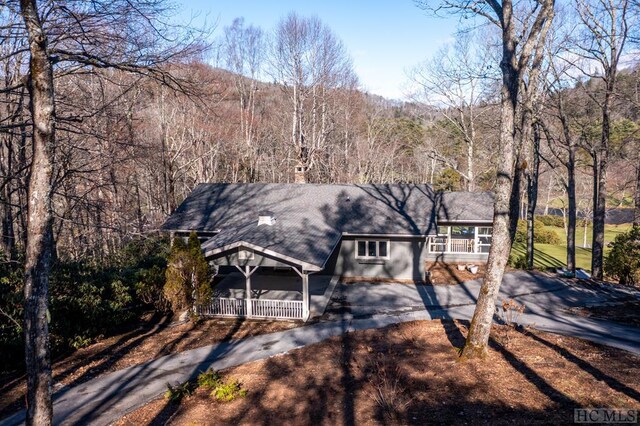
378	242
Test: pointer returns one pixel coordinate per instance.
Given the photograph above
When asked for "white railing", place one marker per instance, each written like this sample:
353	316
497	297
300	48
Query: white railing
225	306
283	309
453	245
263	308
461	245
437	244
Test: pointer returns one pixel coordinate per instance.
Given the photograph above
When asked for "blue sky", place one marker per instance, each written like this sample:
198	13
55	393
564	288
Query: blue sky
384	37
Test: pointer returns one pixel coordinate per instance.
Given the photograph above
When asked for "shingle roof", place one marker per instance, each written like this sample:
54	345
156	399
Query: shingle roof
466	207
310	218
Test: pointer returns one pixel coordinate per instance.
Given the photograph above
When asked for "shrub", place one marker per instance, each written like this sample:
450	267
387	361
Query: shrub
517	262
545	236
228	391
88	298
209	379
220	390
551	220
511	312
623	261
176	393
541	235
11	333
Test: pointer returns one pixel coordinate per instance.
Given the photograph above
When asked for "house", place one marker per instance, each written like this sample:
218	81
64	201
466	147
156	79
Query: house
359	231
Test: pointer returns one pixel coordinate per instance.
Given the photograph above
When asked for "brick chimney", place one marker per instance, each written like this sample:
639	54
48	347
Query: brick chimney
299	173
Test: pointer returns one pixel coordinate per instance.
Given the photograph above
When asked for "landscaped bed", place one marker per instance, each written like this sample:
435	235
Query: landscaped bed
410	374
442	273
152	339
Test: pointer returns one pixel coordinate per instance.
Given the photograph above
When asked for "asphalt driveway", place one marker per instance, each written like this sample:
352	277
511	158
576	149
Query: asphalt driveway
530	288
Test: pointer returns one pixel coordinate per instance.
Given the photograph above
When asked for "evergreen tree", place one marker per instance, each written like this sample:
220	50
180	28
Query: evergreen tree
199	272
187	277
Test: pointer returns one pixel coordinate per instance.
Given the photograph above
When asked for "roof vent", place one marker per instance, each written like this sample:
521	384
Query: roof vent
266	219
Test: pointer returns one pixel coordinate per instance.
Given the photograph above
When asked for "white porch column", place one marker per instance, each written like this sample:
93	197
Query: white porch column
475	240
247	276
305	297
247	272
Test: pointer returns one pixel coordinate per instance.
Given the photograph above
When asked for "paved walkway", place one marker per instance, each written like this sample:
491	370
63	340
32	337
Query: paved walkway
106	398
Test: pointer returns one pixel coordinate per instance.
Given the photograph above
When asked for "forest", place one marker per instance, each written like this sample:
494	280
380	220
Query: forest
110	114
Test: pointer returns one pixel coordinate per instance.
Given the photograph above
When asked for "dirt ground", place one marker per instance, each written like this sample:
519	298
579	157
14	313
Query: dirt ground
627	312
410	374
153	338
441	273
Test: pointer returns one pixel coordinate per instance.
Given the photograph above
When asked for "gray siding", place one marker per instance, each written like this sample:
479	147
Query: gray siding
406	259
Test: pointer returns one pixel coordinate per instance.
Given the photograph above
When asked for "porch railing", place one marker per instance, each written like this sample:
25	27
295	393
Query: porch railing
263	308
225	307
283	309
461	245
453	245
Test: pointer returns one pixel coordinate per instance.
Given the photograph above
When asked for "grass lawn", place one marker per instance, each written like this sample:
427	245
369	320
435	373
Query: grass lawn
410	374
552	255
610	232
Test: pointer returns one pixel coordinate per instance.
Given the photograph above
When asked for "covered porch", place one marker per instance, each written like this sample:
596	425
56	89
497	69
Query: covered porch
274	294
260	283
461	239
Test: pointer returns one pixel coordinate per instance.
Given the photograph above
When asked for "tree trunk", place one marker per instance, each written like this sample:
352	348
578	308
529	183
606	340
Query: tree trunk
39	231
599	198
532	195
571	194
636	209
8	233
480	328
515	195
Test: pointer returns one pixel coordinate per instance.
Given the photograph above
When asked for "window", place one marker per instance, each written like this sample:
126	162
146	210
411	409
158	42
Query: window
462	232
485	230
485	235
443	231
372	249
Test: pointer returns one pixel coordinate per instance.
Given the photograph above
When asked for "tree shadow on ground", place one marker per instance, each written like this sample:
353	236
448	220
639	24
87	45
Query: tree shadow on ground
105	358
394	376
170	407
589	368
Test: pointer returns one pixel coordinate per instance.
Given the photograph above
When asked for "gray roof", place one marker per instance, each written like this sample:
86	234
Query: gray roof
310	218
470	207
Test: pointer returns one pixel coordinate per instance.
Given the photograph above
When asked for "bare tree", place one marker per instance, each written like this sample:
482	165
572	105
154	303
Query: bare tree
559	133
311	64
636	197
601	42
39	243
523	27
458	79
244	49
65	39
